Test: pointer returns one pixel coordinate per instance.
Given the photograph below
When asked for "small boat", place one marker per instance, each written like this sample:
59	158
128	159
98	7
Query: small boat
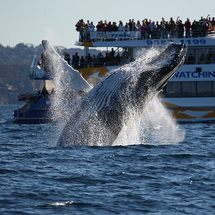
36	108
37	105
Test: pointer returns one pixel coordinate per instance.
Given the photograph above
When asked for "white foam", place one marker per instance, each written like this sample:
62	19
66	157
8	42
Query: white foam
155	127
158	127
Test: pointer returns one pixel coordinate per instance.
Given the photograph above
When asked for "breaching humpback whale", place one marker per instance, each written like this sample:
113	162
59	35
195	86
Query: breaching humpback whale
105	109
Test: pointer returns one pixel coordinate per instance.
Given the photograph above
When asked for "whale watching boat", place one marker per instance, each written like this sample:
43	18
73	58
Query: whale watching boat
189	96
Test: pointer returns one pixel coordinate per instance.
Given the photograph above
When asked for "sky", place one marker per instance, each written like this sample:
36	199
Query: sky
31	21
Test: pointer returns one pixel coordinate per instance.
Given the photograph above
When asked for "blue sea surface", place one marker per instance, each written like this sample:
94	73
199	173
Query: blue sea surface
37	177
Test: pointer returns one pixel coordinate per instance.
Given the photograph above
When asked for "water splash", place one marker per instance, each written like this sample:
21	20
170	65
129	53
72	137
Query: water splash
158	127
154	127
69	85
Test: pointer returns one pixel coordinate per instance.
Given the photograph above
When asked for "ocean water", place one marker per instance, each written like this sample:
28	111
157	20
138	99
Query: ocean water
159	175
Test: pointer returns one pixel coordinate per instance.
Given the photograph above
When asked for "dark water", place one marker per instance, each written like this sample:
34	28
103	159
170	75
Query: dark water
36	177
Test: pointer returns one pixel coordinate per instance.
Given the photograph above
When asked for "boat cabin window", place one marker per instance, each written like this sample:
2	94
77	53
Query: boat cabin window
213	88
173	89
204	89
199	56
190	89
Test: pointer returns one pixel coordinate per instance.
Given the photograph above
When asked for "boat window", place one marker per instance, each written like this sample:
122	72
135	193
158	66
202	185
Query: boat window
201	56
191	56
188	89
173	89
204	89
213	88
208	51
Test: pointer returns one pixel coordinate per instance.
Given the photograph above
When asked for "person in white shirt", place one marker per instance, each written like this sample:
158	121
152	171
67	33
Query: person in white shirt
120	26
138	25
91	27
153	29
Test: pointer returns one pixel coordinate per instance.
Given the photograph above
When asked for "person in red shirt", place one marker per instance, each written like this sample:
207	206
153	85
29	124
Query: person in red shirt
204	28
187	27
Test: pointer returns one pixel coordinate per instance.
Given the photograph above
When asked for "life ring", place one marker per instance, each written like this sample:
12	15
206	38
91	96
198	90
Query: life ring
24	97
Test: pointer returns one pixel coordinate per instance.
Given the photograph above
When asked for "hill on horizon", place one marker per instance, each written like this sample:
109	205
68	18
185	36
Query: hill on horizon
14	69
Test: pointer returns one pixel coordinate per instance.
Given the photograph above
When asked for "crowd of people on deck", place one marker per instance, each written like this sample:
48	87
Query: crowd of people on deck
113	59
150	29
110	59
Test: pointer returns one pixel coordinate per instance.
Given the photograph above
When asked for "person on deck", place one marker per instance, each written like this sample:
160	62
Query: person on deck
143	29
120	26
180	29
153	29
82	62
191	59
205	28
202	59
75	60
114	27
187	26
91	27
212	58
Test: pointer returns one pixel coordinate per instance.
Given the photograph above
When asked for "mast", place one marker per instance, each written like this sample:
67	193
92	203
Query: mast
86	51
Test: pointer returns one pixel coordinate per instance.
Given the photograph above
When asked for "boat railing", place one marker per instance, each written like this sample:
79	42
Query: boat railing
31	100
97	64
97	36
123	62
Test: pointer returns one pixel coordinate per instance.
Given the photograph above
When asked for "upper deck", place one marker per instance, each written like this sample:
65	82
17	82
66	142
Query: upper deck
136	39
126	42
